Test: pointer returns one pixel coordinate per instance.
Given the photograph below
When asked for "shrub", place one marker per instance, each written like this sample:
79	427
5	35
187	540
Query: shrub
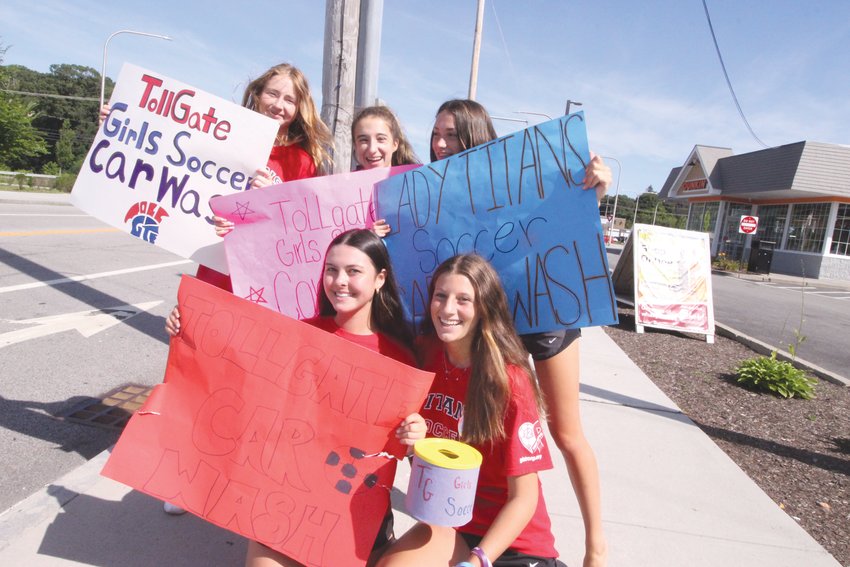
51	168
724	262
776	376
65	182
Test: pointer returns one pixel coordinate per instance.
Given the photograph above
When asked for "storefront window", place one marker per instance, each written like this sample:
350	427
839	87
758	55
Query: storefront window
807	228
841	234
701	216
732	241
772	222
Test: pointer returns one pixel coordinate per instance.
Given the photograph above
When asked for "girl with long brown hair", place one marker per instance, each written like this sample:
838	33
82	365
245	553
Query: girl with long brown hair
483	394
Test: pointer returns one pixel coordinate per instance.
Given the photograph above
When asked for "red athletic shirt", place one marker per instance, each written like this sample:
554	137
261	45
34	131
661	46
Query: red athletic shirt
524	449
376	342
286	163
290	163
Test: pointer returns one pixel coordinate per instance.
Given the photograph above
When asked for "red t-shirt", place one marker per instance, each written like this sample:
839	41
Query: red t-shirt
524	449
286	163
376	342
291	162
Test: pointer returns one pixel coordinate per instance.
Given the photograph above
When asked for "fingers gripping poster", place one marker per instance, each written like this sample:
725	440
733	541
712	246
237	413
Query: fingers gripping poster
164	150
276	251
517	201
268	427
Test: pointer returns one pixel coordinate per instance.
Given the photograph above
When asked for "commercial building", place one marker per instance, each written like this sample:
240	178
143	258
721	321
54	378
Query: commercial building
799	192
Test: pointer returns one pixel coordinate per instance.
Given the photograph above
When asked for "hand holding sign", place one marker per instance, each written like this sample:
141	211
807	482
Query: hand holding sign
162	151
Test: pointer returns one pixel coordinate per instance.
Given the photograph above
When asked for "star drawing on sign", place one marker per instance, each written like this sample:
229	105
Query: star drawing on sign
256	295
242	210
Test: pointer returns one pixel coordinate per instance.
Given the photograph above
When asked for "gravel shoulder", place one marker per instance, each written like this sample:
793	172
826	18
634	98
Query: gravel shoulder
797	451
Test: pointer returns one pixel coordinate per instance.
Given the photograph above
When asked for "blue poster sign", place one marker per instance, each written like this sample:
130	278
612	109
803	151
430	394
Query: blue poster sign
518	202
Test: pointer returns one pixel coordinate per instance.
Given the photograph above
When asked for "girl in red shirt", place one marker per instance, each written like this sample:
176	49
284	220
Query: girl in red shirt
358	301
464	124
483	394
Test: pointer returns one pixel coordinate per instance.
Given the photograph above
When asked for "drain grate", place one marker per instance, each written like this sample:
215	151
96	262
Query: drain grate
113	410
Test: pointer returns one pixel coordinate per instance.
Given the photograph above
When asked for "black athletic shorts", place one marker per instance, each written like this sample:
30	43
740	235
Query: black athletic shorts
513	558
546	345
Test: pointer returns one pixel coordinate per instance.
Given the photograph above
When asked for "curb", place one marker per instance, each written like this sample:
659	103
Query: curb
765	349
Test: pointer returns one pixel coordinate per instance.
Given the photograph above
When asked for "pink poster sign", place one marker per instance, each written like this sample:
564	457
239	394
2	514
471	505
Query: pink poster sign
276	252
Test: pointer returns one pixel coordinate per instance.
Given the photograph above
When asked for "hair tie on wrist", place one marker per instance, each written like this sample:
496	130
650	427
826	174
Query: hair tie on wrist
479	553
464	564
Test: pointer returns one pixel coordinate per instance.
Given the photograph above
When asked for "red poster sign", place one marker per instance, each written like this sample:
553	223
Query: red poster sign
271	428
748	225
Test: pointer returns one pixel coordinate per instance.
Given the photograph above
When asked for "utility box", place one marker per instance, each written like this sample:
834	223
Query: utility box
761	256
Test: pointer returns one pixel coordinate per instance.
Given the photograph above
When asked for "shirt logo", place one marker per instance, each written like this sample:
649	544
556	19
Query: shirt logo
531	436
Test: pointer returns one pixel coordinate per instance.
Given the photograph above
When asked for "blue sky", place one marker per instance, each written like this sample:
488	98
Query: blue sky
646	72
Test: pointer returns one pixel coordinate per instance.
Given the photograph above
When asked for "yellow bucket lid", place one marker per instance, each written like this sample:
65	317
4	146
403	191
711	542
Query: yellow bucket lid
447	453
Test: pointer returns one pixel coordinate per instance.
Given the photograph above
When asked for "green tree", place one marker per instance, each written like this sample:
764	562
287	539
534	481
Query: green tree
65	147
81	84
19	140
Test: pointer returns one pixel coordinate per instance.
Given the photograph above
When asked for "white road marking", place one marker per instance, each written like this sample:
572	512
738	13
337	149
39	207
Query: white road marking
96	276
87	323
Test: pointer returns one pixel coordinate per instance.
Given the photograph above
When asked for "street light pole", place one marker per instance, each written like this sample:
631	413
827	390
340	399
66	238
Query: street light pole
105	45
654	212
570	103
534	113
634	220
616	195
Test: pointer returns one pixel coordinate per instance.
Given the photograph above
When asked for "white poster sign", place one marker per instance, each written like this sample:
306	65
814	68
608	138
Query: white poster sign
163	152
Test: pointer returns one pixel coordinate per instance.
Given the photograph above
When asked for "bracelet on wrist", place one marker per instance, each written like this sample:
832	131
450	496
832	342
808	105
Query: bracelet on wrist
464	564
479	553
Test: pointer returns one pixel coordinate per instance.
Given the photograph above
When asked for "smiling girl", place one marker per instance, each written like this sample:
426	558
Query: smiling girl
483	394
358	301
459	126
303	142
379	141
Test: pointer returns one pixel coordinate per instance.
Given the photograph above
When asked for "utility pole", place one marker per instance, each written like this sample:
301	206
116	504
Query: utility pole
476	48
342	22
368	53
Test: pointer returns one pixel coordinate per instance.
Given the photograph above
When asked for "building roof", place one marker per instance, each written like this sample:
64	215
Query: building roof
793	171
665	190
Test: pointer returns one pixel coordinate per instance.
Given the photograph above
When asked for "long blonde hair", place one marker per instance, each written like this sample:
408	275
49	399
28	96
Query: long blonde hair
307	129
494	345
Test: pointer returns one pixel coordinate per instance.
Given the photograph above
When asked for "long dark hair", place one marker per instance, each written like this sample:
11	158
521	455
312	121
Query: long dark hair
387	316
472	123
494	343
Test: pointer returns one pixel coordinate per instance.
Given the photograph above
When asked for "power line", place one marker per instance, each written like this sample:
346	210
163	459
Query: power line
51	95
504	43
725	74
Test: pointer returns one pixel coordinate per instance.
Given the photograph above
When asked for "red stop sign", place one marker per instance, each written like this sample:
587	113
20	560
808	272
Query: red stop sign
749	224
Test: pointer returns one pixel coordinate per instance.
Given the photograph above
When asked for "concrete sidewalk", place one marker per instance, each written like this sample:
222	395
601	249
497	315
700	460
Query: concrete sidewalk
671	497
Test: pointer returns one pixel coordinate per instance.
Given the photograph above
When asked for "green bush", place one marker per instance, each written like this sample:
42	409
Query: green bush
65	182
51	168
776	376
723	262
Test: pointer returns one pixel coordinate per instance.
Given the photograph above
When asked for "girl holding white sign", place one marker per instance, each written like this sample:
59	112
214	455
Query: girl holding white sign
303	142
483	394
464	124
358	301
